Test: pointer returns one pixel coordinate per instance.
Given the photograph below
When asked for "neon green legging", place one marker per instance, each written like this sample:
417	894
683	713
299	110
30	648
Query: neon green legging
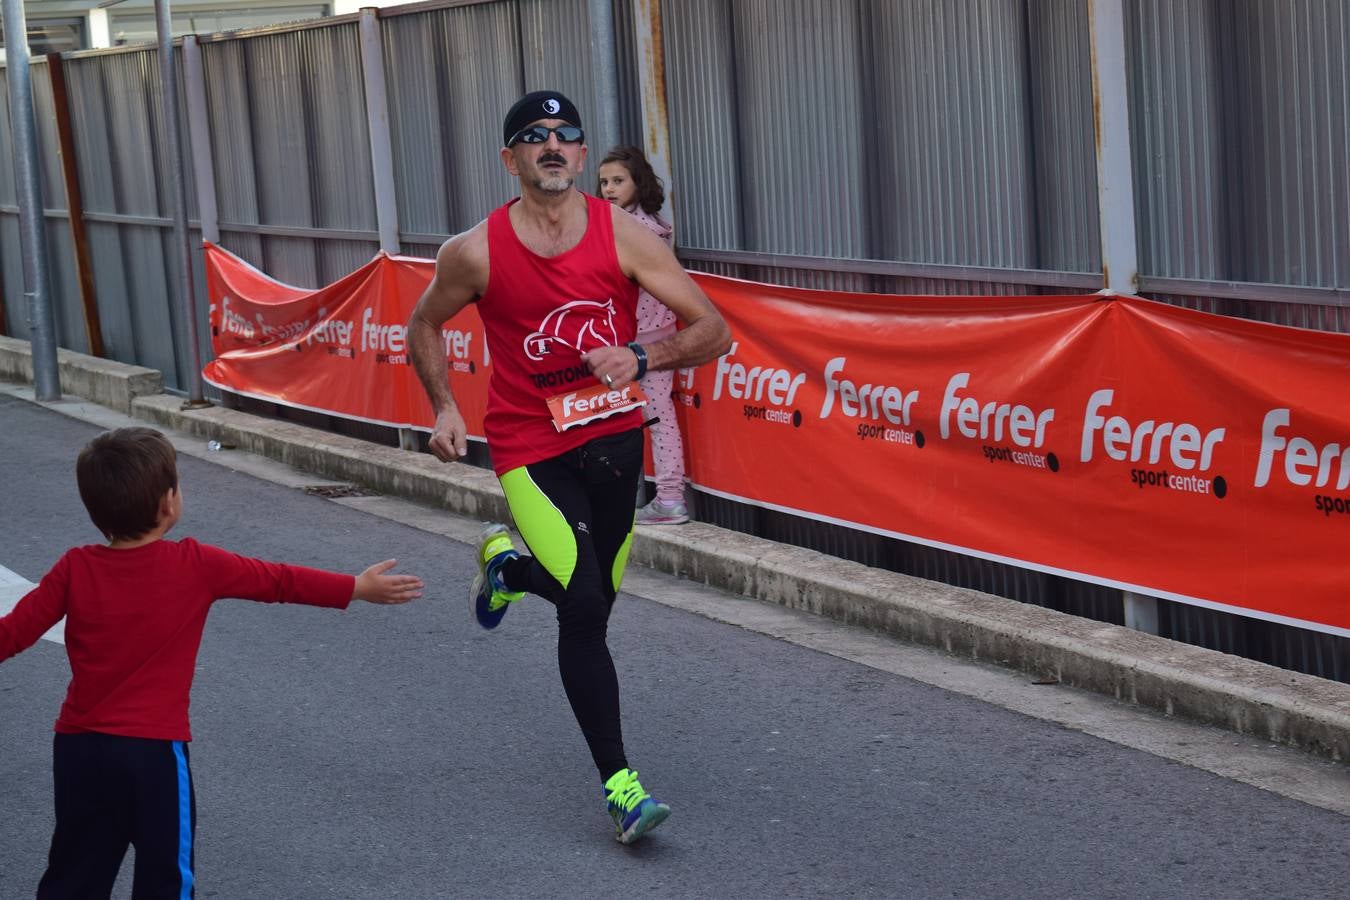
575	512
544	512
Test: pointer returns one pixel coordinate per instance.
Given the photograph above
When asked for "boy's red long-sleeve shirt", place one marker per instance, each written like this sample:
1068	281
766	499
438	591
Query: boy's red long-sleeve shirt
134	622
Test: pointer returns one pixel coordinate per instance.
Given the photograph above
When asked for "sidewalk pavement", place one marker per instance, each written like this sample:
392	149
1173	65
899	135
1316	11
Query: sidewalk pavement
1302	711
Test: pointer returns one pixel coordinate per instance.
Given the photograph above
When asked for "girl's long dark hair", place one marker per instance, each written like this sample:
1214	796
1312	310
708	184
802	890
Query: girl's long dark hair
651	195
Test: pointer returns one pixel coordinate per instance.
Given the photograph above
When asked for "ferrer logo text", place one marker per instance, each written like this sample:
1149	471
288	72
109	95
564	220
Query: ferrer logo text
756	384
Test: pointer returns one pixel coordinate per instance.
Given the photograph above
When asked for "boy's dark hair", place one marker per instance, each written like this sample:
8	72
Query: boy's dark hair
651	195
122	475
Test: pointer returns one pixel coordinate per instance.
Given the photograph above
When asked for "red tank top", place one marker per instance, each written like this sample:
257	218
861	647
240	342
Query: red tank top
540	315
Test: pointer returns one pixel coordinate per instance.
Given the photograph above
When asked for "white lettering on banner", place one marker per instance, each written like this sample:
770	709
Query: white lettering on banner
780	385
375	336
288	332
233	323
1024	425
1123	441
574	404
457	343
1300	454
331	331
871	401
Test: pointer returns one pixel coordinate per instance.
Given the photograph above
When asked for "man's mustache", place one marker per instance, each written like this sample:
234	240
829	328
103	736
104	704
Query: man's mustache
552	157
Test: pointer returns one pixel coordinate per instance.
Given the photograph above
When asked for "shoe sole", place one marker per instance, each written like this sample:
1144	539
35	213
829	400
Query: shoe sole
474	587
477	584
678	520
653	815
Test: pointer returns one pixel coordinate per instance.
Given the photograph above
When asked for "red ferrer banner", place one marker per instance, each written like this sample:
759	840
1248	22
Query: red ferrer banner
341	349
1115	440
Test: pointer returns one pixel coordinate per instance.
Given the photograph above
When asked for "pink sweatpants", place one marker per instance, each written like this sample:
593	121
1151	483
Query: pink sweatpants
667	444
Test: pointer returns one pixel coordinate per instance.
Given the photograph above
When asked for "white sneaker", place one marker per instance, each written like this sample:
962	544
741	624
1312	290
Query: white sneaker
658	512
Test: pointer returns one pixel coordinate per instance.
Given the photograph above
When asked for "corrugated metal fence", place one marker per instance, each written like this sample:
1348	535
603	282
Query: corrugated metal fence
911	146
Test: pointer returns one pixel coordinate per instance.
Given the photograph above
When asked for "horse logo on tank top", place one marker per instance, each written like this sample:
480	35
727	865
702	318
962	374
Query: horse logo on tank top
581	325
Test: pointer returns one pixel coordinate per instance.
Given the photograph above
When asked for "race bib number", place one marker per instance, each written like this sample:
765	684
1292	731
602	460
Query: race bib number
596	402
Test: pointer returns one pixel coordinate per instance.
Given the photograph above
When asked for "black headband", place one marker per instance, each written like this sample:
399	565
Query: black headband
535	106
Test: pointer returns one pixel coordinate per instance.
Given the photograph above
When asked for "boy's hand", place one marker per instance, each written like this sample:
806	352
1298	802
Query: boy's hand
373	586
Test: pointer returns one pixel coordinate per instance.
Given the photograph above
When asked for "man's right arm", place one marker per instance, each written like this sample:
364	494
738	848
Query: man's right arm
461	275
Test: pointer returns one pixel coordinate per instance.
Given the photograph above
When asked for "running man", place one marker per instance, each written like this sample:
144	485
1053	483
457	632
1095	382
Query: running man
556	275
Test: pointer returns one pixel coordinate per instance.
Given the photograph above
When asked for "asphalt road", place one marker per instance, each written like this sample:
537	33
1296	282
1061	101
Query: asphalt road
398	752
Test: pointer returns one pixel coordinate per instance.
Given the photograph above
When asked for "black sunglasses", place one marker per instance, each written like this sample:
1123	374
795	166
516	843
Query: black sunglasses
538	134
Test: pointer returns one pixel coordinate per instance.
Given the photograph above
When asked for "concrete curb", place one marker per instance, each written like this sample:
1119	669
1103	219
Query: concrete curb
107	383
1248	697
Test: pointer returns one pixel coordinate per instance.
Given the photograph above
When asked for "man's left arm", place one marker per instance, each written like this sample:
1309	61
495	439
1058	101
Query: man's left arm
646	259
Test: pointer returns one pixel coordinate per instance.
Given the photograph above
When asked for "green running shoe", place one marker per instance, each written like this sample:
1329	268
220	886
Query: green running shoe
487	598
634	811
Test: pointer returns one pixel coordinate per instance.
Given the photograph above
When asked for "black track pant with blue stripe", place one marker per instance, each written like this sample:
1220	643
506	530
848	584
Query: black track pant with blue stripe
111	792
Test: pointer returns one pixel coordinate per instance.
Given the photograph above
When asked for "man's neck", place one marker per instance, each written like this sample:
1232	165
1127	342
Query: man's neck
550	224
551	211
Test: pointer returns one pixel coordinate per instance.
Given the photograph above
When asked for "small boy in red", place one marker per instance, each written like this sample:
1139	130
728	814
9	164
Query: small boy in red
134	612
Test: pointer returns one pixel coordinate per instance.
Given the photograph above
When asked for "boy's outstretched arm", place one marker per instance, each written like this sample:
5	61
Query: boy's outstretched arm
39	610
374	586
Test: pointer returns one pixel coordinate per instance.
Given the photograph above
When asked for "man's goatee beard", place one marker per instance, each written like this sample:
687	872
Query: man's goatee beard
553	184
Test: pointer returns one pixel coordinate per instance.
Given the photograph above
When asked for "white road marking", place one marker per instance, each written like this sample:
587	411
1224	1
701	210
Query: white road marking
12	588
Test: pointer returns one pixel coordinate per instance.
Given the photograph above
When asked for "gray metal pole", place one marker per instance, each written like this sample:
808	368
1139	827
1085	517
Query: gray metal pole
601	16
377	126
203	159
381	151
32	225
169	86
1115	200
1115	170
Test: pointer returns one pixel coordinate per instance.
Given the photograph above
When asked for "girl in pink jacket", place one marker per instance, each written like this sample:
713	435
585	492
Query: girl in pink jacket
627	180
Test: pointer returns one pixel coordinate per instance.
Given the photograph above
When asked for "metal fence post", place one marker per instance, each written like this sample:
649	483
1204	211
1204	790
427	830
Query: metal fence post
381	152
1115	199
169	86
199	129
1115	170
600	14
377	126
32	225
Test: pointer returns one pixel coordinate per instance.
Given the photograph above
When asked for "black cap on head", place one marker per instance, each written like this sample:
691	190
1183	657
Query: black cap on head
538	105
